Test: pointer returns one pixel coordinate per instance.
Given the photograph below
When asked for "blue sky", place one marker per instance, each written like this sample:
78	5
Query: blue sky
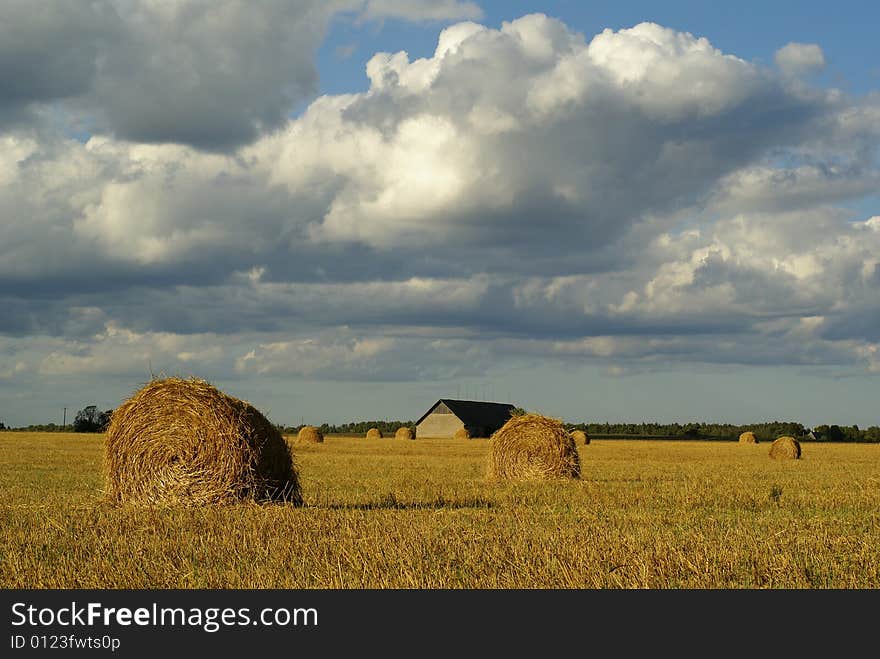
346	210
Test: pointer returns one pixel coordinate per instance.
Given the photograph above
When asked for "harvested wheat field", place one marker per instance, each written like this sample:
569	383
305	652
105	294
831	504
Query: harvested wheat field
181	441
644	514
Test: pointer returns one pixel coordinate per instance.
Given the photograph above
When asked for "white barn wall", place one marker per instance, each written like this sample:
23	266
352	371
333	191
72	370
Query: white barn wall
438	425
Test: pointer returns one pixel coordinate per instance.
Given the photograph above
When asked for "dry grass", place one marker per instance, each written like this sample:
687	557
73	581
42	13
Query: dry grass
404	432
183	442
748	437
310	434
461	433
785	448
532	447
646	514
374	433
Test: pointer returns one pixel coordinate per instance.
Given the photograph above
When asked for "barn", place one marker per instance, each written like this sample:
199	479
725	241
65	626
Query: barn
446	416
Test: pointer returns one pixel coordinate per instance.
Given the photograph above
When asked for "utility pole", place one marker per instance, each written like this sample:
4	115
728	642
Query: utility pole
64	423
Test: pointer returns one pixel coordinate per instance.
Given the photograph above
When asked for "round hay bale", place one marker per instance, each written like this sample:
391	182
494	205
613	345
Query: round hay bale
579	436
374	433
182	441
462	433
403	432
532	447
310	434
748	437
785	448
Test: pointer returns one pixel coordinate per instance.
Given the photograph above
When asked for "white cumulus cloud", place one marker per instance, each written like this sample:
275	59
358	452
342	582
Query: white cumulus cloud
800	58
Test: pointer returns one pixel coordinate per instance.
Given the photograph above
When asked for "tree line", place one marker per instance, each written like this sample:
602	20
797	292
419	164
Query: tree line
91	419
353	427
766	431
88	419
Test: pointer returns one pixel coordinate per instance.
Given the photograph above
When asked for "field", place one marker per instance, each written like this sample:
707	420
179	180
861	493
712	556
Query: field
418	514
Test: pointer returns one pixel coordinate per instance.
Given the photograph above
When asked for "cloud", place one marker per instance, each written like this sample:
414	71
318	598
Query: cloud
346	51
799	58
421	10
210	74
213	74
48	54
523	195
340	356
112	351
436	146
764	187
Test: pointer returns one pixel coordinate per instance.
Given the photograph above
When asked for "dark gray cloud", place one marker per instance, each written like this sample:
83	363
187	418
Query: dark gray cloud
214	74
419	10
207	73
49	52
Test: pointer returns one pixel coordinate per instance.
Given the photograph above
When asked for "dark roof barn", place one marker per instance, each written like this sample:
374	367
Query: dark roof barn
447	415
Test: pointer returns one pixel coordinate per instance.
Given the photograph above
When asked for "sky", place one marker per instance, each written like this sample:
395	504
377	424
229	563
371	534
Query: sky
345	210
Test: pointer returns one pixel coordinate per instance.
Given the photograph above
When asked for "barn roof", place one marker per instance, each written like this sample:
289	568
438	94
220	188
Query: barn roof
474	412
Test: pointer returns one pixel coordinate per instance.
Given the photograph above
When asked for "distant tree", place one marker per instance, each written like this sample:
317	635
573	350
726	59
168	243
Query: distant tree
89	419
765	431
2	426
834	434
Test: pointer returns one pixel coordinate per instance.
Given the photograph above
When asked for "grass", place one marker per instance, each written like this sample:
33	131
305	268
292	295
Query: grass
418	514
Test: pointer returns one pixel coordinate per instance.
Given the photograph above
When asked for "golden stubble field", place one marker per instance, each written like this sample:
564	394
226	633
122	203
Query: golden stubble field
418	514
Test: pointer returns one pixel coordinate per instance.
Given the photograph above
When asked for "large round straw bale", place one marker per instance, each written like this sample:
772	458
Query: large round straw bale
403	432
374	433
748	437
579	436
461	433
310	434
182	441
532	447
785	448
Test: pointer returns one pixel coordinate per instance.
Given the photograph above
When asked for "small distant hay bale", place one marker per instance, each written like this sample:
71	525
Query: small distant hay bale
183	442
532	447
462	433
404	432
748	437
785	448
374	433
310	434
579	436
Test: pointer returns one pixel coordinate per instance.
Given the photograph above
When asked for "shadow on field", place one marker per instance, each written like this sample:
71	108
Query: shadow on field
391	502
